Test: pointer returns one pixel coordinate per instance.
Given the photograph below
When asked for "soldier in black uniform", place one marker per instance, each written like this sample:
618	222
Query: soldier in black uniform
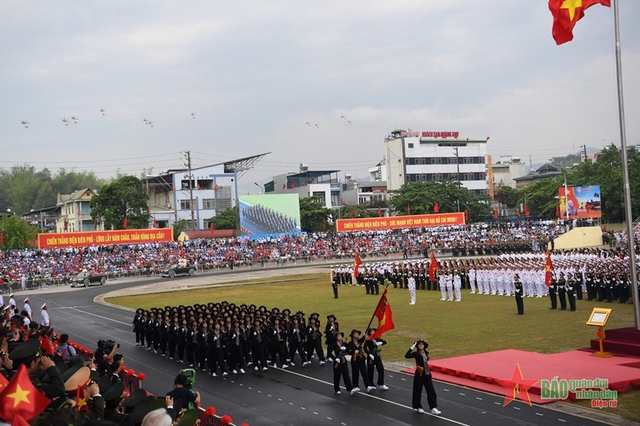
330	331
138	325
358	363
278	343
172	340
422	377
235	340
338	351
572	291
296	341
374	358
518	291
562	291
553	292
591	285
215	356
600	286
314	340
334	283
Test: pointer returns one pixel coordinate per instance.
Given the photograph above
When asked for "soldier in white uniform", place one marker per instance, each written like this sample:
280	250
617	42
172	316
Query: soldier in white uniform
457	284
27	307
45	315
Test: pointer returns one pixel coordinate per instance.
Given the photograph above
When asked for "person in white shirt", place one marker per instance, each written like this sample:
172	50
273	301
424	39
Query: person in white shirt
45	315
411	283
27	307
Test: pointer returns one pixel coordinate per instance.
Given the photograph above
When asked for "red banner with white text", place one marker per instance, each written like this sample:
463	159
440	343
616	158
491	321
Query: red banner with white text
399	222
98	238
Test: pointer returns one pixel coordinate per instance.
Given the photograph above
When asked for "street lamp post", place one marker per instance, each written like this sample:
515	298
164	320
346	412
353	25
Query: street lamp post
261	190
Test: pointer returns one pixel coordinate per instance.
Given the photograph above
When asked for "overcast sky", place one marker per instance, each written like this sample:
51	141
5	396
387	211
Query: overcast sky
256	72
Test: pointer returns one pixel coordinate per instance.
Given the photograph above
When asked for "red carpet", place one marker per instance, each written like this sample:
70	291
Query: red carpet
620	341
485	371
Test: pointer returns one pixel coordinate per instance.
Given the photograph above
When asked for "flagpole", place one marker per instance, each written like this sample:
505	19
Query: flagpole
625	171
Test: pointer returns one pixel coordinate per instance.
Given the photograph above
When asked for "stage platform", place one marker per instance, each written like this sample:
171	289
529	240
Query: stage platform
496	372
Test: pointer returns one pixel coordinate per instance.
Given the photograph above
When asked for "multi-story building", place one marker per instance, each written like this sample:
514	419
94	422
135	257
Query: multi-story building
426	156
505	170
75	212
323	184
197	196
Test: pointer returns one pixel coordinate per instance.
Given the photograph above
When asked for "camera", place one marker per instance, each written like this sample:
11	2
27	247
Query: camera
107	345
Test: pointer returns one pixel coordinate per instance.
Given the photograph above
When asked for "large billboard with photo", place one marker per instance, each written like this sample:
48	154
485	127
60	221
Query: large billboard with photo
580	202
269	214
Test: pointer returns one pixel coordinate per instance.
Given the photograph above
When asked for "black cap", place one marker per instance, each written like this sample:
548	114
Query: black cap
135	398
115	392
354	331
189	418
140	411
26	352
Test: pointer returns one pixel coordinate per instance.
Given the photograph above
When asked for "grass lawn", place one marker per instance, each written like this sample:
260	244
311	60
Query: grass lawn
477	324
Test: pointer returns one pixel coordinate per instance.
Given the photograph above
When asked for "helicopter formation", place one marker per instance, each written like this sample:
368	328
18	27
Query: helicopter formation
103	111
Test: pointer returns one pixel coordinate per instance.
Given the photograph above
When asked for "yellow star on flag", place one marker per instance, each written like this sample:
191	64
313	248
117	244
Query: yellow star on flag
20	395
571	6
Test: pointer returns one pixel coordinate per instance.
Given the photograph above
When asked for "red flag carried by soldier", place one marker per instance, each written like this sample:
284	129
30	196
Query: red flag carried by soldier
384	315
548	270
356	264
433	267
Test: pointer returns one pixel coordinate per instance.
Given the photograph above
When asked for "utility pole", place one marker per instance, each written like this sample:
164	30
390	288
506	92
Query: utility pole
585	152
193	212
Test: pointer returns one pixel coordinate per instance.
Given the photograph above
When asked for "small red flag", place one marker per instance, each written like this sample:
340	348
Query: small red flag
95	224
566	13
496	213
466	215
379	212
557	210
81	401
21	398
384	315
436	208
46	345
526	211
408	208
284	186
324	223
352	213
154	222
212	227
66	224
356	264
548	269
124	224
433	267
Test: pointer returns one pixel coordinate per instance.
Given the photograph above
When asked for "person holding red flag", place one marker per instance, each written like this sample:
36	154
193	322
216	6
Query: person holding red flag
374	359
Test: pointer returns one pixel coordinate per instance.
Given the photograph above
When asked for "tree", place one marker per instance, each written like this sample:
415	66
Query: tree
345	212
17	233
508	196
124	200
179	227
314	217
421	198
225	219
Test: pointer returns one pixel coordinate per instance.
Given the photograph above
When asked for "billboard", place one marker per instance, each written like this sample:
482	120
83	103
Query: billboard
399	222
269	214
97	238
580	202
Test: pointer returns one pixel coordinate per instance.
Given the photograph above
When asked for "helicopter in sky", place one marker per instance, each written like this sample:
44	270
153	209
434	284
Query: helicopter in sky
193	115
25	124
103	111
75	119
65	121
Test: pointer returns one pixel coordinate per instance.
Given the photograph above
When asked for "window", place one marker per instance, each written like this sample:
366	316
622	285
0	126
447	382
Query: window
208	204
185	184
410	144
185	204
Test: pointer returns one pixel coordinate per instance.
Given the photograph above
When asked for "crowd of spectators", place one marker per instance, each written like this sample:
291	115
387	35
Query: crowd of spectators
59	265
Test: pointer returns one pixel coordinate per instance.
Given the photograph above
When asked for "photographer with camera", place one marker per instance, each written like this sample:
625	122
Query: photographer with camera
182	393
104	354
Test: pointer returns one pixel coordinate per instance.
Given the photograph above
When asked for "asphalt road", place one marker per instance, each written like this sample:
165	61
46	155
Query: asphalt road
297	396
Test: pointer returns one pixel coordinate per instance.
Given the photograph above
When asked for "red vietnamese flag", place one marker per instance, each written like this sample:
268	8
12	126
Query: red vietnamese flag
21	398
81	401
408	208
352	213
433	267
496	213
566	13
466	215
436	208
526	211
46	345
124	223
379	211
324	223
212	227
3	382
384	315
547	270
356	264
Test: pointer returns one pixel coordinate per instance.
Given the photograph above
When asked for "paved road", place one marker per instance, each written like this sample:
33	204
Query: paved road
297	396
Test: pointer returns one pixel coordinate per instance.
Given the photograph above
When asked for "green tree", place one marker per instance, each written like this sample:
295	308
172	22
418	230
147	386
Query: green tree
358	211
314	217
508	196
179	227
225	219
17	232
421	198
126	198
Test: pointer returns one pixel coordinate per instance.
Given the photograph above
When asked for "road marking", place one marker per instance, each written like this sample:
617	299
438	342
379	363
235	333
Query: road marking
562	420
539	414
100	316
376	397
462	394
478	398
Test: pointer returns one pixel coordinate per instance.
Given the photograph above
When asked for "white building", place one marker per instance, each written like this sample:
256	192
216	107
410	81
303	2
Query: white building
506	169
425	156
323	184
212	189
